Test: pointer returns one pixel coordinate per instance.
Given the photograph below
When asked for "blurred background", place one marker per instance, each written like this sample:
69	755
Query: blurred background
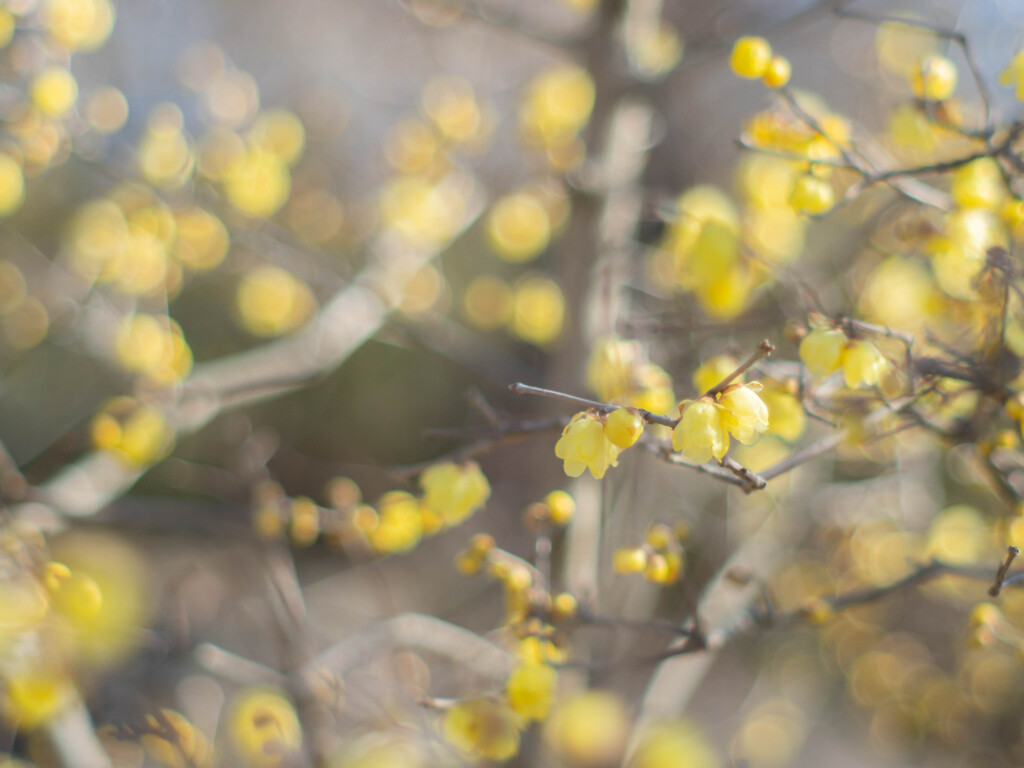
265	267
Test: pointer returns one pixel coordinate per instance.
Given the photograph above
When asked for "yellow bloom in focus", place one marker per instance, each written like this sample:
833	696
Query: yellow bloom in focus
863	364
265	728
701	432
584	445
745	415
531	690
821	351
623	427
54	91
454	492
400	525
482	728
33	696
271	301
78	25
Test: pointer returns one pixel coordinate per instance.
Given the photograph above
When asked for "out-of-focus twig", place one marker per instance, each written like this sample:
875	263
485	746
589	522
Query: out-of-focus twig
72	736
344	324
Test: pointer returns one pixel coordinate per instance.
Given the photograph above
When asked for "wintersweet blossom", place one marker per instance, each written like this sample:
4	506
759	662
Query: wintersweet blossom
745	414
701	432
822	350
863	364
454	492
584	445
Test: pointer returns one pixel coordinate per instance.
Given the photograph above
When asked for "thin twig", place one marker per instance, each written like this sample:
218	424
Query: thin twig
764	349
651	418
1004	568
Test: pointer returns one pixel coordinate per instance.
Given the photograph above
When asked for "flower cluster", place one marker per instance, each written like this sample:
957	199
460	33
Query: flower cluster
706	424
61	618
265	728
825	350
752	59
593	440
660	558
136	433
451	493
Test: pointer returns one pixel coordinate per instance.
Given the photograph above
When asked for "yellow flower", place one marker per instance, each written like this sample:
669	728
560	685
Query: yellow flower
174	742
674	745
822	350
623	427
401	523
786	417
454	492
1014	75
745	415
482	728
264	727
584	445
589	729
33	696
701	432
531	690
863	364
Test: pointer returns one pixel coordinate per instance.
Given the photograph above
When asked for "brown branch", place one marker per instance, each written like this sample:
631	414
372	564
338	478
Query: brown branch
1004	568
950	34
764	349
664	452
751	481
650	418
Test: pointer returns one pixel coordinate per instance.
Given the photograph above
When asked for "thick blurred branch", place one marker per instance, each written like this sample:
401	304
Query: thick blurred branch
344	324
